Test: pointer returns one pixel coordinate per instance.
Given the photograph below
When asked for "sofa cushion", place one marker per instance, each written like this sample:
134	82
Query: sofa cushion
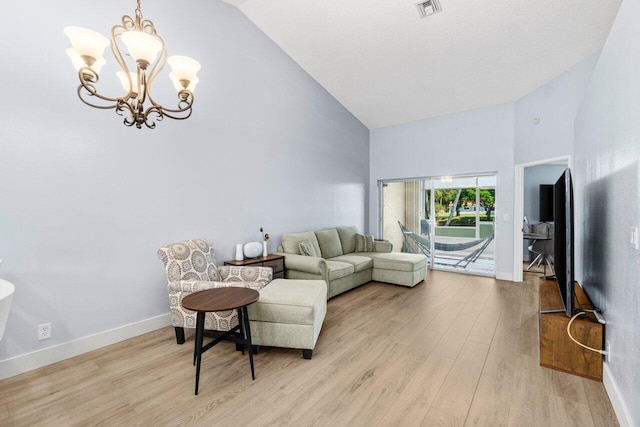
347	238
398	261
306	248
382	246
329	242
359	263
338	270
364	243
291	242
291	301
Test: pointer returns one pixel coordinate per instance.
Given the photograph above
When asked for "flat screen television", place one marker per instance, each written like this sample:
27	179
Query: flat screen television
546	203
563	240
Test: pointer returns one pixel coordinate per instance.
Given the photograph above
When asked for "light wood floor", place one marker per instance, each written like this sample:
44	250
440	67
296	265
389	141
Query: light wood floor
456	350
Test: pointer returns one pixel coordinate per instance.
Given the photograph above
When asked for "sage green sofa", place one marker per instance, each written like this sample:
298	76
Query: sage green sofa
341	267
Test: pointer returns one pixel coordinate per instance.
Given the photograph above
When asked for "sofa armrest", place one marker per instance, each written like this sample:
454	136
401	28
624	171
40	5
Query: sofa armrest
382	246
306	264
230	273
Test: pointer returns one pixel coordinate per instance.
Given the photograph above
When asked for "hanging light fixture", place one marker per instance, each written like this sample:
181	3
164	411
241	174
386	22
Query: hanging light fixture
141	62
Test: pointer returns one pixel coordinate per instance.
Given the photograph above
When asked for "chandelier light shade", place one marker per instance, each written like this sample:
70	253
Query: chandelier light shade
141	55
78	62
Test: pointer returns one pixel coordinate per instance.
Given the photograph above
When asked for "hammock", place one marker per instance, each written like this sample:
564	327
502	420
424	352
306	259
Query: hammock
415	244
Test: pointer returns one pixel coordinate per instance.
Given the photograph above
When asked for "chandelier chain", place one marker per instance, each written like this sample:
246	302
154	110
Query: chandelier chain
139	16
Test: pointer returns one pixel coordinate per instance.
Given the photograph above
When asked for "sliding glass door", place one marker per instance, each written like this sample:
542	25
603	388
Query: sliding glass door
449	219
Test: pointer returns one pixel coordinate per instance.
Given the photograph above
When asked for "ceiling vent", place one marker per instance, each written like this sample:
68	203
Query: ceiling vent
428	7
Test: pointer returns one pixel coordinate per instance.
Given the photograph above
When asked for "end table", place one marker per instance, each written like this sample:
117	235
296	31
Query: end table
221	299
276	262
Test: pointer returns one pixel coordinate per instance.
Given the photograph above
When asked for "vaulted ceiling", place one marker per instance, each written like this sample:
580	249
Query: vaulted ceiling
388	66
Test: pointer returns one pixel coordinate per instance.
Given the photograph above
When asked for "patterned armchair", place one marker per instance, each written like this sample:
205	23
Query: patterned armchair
191	267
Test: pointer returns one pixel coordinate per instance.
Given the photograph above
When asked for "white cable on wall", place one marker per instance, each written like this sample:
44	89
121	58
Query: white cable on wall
603	352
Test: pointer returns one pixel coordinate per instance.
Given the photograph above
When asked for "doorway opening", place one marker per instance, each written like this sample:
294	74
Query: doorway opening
527	180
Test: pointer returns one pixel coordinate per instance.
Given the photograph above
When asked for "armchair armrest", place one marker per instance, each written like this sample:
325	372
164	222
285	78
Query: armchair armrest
306	264
382	246
191	286
230	273
219	321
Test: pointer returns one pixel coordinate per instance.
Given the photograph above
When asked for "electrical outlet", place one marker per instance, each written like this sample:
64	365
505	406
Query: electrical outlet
44	331
634	239
608	350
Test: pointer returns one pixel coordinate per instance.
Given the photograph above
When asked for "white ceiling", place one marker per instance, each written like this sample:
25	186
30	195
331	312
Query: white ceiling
388	66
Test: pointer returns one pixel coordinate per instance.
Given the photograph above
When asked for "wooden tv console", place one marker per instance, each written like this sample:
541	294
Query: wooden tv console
557	351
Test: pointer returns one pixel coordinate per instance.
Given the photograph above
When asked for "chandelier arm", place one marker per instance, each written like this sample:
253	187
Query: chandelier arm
123	107
136	116
157	68
128	123
162	111
184	106
88	79
148	121
161	63
152	124
174	117
128	23
115	50
82	95
148	27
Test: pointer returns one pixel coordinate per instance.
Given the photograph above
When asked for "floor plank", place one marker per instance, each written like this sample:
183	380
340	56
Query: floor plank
457	391
412	405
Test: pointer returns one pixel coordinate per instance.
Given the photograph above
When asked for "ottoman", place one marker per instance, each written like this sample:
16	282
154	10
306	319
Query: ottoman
399	268
289	314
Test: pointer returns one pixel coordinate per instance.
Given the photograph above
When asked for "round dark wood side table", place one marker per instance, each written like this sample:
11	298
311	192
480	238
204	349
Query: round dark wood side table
221	299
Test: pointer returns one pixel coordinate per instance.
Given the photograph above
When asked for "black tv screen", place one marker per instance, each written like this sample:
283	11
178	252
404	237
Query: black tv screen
546	203
563	240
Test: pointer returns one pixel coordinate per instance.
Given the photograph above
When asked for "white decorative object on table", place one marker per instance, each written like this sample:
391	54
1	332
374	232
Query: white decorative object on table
252	249
265	238
239	253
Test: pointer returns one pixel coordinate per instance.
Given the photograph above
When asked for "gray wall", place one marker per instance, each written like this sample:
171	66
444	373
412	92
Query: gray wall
533	177
554	105
85	202
607	183
475	141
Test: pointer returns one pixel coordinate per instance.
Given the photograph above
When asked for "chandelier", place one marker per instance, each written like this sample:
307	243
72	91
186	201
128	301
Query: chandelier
140	52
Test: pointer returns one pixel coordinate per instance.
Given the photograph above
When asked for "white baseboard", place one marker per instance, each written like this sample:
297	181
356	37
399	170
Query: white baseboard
615	397
56	353
501	275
